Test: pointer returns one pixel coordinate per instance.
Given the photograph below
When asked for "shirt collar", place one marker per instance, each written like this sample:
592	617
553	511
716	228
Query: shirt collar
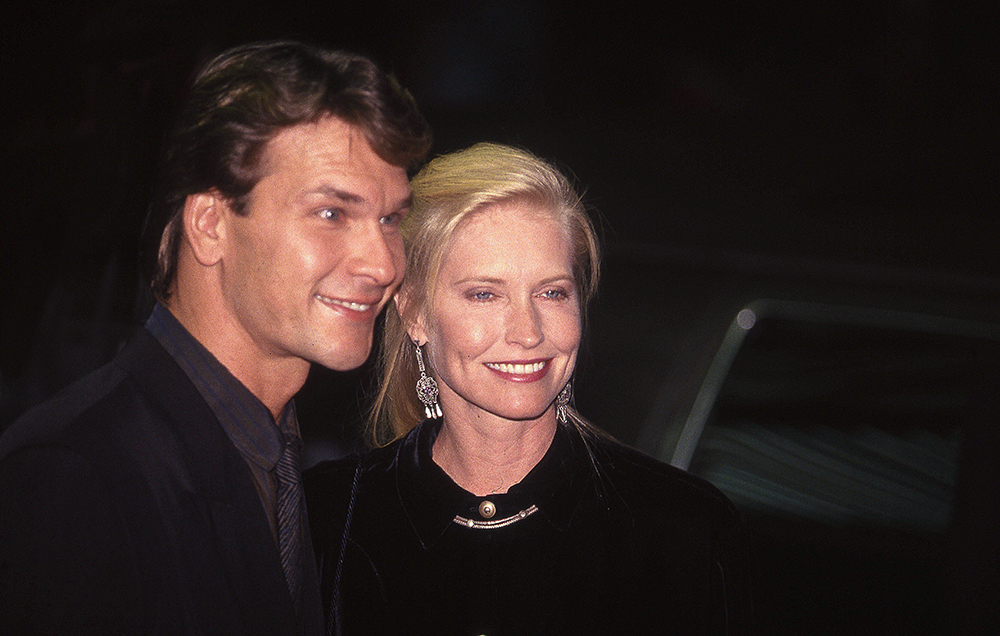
244	417
432	500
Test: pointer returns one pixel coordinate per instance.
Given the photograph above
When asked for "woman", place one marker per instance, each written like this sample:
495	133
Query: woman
502	511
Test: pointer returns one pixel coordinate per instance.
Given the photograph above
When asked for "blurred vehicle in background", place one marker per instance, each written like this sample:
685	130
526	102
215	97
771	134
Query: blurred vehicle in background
831	404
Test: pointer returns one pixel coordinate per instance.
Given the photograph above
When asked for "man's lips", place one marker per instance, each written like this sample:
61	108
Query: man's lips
527	371
358	307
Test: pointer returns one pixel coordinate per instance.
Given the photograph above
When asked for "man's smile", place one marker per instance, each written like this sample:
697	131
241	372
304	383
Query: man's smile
349	304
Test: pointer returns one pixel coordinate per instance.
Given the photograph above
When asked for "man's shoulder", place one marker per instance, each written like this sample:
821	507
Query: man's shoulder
92	410
53	421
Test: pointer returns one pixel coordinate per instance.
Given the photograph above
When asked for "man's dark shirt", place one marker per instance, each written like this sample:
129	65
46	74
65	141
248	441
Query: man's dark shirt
245	418
126	508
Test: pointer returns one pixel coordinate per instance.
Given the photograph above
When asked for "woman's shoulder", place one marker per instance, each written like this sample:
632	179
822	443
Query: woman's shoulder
643	481
330	473
329	483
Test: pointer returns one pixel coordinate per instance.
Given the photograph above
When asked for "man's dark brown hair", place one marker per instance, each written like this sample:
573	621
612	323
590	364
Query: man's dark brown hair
247	95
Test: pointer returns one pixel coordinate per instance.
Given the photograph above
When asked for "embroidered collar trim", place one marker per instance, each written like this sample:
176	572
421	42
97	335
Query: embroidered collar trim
495	523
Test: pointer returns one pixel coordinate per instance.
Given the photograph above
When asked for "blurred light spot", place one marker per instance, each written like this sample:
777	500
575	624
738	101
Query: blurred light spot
746	319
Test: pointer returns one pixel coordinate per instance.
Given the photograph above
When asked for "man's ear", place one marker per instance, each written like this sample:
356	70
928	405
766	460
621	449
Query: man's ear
204	225
414	324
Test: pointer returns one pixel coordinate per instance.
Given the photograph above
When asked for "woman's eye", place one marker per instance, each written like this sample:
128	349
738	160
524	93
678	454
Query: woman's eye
555	294
482	295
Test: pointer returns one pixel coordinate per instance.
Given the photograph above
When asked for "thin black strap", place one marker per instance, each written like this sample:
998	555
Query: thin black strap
332	623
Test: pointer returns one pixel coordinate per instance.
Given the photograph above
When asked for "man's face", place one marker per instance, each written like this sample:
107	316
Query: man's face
318	252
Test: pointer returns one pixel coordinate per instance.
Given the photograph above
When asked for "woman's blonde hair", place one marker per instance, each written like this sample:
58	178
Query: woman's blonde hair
446	192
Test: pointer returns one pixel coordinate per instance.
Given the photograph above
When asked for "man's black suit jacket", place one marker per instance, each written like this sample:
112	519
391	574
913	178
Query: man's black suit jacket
125	508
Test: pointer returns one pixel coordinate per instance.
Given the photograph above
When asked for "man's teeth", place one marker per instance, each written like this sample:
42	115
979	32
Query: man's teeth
346	303
516	369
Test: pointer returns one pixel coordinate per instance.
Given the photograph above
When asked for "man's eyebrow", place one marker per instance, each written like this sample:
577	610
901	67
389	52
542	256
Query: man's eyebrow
336	193
350	197
405	203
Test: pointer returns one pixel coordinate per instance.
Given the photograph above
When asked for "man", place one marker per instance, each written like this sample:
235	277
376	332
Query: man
160	493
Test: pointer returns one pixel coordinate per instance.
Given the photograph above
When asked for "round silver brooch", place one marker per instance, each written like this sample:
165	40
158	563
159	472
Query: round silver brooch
487	509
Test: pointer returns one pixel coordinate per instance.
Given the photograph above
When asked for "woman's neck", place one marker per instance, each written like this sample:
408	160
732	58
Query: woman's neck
488	457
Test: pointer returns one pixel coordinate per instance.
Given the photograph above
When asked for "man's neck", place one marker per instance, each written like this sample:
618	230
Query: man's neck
273	380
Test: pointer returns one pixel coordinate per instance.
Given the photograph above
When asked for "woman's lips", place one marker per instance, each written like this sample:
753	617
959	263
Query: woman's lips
527	371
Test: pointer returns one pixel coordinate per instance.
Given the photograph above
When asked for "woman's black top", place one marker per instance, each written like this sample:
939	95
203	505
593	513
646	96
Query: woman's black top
596	539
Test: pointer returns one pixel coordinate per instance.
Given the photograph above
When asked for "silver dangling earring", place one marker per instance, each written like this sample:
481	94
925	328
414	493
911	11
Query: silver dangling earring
562	402
427	389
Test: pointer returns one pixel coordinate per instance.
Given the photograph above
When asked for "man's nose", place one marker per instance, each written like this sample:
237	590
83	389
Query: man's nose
377	256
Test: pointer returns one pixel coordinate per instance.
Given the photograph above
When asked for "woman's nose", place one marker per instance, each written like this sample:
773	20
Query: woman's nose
524	327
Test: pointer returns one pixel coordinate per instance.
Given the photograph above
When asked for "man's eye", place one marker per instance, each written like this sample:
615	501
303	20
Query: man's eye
392	220
482	295
330	214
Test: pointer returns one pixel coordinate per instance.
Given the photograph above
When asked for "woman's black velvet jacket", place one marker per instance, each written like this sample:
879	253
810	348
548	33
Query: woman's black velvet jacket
622	544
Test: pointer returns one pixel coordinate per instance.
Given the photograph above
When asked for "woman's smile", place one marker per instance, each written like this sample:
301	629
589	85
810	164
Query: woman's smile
503	331
520	371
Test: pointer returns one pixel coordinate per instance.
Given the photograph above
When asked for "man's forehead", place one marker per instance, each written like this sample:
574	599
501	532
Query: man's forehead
331	136
331	145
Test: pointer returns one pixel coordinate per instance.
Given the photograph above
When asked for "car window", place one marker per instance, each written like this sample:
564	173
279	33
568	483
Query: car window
841	424
838	433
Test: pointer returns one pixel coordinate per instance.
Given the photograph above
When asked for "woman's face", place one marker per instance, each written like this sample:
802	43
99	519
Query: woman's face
504	329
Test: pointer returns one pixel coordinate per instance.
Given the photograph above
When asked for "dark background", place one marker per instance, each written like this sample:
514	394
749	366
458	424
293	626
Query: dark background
824	132
833	151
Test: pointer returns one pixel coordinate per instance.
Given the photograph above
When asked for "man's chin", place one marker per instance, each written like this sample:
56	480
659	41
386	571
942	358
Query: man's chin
345	359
